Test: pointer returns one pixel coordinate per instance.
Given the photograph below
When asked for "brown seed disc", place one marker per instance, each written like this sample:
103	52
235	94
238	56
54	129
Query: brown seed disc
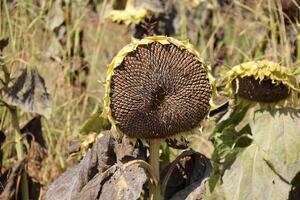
264	91
158	91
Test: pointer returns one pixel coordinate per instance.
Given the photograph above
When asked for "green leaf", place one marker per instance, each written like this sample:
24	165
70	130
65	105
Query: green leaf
233	119
266	169
28	93
277	133
95	123
250	177
226	150
228	142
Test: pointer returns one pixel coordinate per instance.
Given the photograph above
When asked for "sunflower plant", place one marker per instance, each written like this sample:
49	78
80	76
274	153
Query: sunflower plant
156	87
257	145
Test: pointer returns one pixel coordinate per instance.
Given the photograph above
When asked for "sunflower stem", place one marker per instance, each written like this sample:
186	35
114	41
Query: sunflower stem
154	162
20	152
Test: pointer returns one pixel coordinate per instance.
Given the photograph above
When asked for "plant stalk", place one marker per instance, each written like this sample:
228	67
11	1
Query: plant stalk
20	152
154	162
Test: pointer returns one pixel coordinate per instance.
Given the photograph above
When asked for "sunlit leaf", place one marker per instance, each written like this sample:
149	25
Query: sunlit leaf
29	93
277	133
266	169
250	177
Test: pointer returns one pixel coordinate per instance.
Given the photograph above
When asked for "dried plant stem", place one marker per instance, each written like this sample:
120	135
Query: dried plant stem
20	152
154	162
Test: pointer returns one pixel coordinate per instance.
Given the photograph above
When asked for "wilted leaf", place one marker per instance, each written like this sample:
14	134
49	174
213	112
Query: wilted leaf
29	93
181	143
250	177
3	43
277	134
184	178
35	157
34	127
103	173
95	123
2	139
125	184
74	146
35	189
11	183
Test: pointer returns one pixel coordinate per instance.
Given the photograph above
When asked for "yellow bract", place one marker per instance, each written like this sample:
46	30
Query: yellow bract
118	59
264	69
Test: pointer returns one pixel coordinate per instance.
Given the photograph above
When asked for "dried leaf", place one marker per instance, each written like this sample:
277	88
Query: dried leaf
184	178
29	93
101	174
10	186
34	127
35	157
2	139
3	43
125	184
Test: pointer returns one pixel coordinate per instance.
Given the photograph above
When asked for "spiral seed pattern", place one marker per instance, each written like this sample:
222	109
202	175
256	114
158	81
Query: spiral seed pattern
159	90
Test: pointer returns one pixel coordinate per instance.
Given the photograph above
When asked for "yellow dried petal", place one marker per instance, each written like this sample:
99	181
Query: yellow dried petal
263	70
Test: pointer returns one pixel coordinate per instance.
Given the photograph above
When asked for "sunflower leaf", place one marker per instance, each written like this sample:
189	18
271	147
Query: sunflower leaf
277	133
266	169
250	177
28	92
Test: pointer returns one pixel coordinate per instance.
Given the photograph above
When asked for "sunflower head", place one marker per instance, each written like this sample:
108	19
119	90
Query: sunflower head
263	82
157	87
134	12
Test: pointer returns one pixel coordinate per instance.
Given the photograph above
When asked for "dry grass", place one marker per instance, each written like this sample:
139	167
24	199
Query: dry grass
232	34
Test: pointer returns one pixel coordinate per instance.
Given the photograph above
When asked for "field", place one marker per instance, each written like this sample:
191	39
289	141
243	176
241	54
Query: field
53	61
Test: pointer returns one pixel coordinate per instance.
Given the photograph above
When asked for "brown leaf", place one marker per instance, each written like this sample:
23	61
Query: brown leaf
102	174
35	158
3	43
34	127
184	178
11	183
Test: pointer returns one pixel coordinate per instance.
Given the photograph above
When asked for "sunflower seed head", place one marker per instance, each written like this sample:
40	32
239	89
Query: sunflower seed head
159	90
261	91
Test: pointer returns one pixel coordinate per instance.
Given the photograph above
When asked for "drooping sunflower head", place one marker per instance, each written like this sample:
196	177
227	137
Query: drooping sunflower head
134	12
157	87
265	82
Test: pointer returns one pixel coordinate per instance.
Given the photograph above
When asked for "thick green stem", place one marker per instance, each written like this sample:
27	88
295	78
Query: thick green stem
154	162
20	153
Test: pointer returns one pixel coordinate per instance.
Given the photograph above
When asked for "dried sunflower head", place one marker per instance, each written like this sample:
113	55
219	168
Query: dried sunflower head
157	87
263	81
134	12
